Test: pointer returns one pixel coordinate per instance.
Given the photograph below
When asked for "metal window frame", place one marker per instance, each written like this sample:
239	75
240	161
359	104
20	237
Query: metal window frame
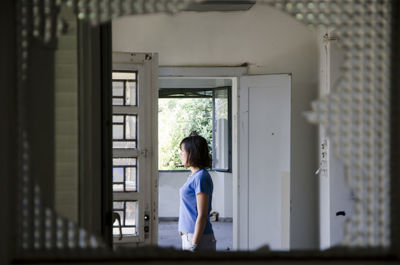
229	88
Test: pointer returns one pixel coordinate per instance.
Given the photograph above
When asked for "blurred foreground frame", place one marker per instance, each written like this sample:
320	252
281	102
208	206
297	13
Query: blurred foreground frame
33	48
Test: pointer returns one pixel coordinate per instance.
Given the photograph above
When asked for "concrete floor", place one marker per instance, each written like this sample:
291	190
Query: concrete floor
168	235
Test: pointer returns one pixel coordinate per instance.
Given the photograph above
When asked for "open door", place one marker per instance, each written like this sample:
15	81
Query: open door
264	161
135	169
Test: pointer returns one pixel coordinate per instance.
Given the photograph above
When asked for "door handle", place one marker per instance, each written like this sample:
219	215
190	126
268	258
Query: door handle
117	217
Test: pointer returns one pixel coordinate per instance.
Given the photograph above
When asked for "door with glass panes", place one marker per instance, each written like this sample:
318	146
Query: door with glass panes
134	94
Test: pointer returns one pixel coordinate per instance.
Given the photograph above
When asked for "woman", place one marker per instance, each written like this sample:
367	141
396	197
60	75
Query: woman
196	196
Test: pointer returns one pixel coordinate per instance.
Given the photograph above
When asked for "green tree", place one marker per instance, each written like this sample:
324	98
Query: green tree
178	117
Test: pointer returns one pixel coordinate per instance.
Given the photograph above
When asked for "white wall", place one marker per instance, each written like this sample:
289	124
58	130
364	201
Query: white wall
171	182
270	42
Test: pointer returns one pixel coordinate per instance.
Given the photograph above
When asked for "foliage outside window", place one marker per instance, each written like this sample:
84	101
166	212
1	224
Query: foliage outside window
182	111
178	117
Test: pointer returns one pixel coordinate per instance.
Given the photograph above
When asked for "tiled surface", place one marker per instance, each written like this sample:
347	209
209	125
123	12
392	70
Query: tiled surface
168	234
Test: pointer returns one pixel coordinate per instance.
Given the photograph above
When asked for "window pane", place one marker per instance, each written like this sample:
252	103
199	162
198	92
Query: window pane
130	179
118	187
117	101
221	129
118	174
124	144
130	127
118	119
118	205
131	213
129	231
130	93
124	75
121	214
124	162
118	131
116	230
128	211
118	88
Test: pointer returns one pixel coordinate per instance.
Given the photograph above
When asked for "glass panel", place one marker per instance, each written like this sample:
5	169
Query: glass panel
130	179
118	131
129	231
121	214
118	205
124	75
118	187
130	127
221	129
118	174
128	211
221	103
117	101
130	93
118	119
131	213
116	229
124	145
124	161
118	89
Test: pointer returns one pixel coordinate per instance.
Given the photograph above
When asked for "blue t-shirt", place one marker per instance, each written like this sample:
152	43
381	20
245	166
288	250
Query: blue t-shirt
200	181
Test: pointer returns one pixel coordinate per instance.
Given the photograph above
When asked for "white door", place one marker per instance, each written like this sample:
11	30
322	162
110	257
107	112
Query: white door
264	161
135	173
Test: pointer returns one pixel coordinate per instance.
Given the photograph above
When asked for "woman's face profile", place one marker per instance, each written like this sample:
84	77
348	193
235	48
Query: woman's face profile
183	155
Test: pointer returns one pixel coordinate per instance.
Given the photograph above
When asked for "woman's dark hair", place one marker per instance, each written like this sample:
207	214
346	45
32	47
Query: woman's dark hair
197	149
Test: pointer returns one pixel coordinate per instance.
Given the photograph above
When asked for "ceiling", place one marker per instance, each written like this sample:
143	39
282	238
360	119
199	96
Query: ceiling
221	5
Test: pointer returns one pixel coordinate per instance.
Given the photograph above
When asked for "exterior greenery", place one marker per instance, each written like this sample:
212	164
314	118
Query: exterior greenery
177	118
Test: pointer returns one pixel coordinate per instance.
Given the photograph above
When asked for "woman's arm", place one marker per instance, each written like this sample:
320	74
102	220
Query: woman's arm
202	211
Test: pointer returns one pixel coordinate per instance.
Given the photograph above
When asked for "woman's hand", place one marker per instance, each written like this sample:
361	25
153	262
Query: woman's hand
202	213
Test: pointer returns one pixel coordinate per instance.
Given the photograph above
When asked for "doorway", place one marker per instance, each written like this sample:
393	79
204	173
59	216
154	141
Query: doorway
195	102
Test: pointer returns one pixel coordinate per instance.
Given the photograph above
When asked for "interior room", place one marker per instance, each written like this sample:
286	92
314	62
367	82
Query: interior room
247	42
295	100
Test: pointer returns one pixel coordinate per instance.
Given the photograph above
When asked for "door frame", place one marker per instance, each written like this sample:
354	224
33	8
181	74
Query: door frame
220	72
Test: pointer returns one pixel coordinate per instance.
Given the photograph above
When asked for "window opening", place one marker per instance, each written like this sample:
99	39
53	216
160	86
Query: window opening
205	110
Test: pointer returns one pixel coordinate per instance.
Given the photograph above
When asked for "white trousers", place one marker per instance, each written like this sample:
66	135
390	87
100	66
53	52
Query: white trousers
207	242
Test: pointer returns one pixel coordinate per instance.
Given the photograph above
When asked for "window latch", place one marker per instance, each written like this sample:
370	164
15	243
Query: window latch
143	152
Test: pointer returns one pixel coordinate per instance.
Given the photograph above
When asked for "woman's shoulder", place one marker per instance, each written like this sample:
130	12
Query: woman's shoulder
203	173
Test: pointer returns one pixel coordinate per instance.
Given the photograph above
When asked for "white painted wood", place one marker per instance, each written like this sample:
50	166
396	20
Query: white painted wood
335	195
323	180
146	154
285	214
264	155
340	195
243	158
235	163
